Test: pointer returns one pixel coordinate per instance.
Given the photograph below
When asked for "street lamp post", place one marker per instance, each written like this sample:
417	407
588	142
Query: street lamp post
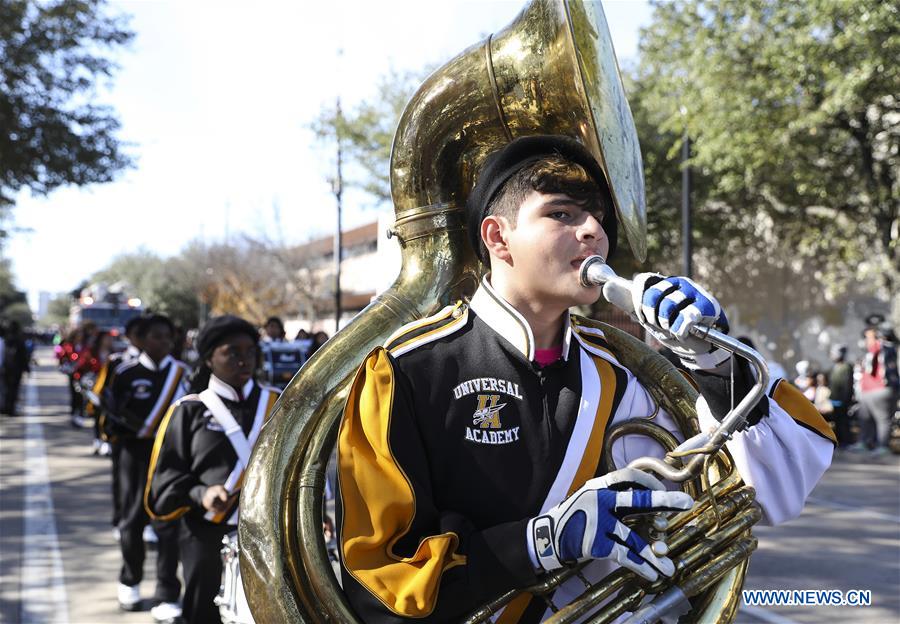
686	239
337	188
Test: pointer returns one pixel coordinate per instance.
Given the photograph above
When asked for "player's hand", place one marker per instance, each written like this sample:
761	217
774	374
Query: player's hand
588	525
215	498
669	307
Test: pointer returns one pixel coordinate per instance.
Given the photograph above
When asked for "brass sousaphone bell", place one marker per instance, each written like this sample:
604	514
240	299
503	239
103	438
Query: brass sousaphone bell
551	71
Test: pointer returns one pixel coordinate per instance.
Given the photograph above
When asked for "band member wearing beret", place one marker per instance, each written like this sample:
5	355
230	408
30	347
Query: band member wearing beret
106	423
141	392
201	451
469	448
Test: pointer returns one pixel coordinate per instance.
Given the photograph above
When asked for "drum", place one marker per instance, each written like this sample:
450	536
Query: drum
231	600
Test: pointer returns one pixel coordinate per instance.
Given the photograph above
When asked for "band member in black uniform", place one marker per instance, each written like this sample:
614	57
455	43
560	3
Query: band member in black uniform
16	362
102	389
200	454
142	391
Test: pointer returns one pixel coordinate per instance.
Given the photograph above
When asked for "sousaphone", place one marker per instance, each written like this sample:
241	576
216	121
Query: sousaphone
551	71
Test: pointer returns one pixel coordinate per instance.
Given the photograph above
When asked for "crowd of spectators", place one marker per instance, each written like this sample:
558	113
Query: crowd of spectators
859	398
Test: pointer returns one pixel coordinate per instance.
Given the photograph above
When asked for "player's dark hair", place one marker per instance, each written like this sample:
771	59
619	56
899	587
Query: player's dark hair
154	319
551	175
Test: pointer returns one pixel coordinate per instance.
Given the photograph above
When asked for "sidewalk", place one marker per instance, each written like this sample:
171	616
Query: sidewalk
81	498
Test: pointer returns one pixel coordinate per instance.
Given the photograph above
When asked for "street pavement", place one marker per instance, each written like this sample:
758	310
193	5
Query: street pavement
847	538
62	566
32	589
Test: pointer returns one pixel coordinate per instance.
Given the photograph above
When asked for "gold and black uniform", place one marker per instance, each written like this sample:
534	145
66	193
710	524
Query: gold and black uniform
141	394
453	437
103	390
105	419
193	450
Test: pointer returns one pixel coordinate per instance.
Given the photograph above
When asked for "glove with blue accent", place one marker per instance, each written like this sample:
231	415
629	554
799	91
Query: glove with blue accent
588	525
669	307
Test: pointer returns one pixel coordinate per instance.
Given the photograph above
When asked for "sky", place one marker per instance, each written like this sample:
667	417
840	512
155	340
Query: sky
215	101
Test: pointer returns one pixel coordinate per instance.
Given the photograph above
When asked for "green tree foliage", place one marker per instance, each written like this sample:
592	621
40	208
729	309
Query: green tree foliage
367	131
13	303
165	285
51	56
58	310
253	278
794	112
20	312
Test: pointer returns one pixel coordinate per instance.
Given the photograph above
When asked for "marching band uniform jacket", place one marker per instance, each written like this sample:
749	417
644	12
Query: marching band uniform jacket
142	392
102	389
193	451
452	438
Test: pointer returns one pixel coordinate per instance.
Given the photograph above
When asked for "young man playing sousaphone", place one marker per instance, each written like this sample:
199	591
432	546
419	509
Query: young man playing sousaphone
469	449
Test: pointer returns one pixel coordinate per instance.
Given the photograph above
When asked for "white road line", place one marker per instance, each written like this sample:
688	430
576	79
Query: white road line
43	593
766	616
862	511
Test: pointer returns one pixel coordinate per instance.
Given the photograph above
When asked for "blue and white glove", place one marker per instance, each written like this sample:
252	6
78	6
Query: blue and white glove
587	525
669	307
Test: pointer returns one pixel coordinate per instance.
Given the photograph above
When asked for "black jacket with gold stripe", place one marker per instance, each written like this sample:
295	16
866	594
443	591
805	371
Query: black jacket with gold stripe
452	438
102	389
142	392
192	452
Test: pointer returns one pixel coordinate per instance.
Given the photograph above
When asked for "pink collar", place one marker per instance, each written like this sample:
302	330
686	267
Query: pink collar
545	357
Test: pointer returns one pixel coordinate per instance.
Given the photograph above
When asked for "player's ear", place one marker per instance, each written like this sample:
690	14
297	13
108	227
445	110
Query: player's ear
493	233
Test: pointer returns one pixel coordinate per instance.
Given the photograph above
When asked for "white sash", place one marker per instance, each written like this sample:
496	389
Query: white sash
241	444
165	399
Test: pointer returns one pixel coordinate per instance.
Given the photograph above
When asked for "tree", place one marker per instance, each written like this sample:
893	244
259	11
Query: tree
51	56
140	270
168	286
795	117
13	303
58	310
20	312
251	277
367	131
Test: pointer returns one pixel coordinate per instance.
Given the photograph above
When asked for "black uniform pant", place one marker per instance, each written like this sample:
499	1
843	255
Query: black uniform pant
13	381
116	452
842	425
134	462
201	562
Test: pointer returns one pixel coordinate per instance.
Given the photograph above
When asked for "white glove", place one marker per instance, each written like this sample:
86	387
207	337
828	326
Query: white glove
669	307
587	525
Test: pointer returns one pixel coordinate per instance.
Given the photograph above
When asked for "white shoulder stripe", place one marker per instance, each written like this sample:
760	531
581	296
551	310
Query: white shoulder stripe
443	312
606	355
124	366
186	398
594	331
448	329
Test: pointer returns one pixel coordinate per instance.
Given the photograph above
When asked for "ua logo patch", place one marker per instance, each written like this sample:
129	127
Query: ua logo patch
487	414
141	389
486	423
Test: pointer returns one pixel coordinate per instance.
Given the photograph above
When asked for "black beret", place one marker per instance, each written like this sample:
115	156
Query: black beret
503	164
149	320
219	328
133	322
